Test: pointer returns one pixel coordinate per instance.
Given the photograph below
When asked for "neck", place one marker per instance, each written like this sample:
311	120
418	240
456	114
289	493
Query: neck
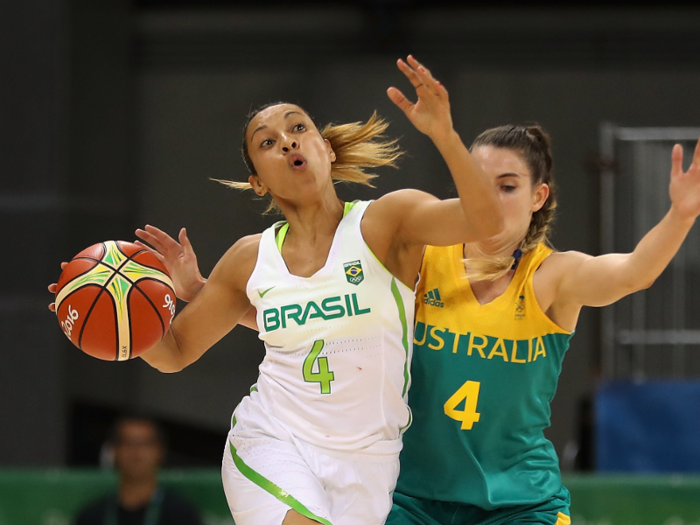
136	493
491	248
319	219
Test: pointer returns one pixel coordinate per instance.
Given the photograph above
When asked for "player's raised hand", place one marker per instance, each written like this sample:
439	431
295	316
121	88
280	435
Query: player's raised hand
178	257
431	112
685	186
52	288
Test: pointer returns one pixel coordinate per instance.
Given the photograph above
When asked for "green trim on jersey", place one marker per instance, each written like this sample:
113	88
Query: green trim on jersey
404	330
384	267
282	232
348	206
271	488
404	341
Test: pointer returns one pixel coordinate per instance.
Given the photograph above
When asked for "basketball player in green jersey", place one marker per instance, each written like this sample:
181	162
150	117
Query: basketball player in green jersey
493	322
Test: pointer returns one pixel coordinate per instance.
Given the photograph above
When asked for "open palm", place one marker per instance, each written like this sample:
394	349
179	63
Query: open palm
685	186
431	112
178	257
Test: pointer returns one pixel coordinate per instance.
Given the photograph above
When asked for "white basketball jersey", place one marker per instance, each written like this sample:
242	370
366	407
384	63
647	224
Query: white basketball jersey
336	368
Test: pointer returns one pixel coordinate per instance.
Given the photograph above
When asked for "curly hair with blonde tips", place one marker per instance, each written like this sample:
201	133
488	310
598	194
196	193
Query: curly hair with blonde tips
535	146
357	146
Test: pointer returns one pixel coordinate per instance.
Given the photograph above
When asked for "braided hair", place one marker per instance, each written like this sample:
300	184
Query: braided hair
535	147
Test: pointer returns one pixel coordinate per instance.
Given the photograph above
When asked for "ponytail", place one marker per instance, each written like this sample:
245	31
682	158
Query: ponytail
357	145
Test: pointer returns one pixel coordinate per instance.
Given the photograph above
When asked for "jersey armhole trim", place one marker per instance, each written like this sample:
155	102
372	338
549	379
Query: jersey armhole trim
404	336
531	288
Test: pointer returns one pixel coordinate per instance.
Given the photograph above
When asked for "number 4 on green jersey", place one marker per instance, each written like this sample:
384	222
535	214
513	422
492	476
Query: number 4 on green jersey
323	376
469	393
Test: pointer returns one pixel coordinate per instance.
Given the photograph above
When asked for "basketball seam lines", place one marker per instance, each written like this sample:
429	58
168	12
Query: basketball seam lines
162	324
131	330
114	306
76	276
135	285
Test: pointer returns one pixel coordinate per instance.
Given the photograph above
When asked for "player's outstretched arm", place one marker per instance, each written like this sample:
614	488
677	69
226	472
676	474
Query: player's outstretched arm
477	214
212	313
599	281
181	262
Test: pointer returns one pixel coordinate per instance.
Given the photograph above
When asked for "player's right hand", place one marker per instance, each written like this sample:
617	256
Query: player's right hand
178	257
52	288
431	112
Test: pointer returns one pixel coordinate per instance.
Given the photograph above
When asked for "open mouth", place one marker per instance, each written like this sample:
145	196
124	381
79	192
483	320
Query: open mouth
297	161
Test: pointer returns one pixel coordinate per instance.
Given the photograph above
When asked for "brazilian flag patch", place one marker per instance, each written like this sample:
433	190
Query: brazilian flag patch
353	272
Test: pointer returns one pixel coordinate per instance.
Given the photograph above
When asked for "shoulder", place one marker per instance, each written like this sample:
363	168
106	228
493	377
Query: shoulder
558	265
390	209
244	248
399	198
239	260
177	510
564	261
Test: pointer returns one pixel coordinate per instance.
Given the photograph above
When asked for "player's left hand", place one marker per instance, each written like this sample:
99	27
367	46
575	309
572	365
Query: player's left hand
685	186
431	112
178	257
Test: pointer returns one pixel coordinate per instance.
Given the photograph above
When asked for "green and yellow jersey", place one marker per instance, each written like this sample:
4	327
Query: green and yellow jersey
483	378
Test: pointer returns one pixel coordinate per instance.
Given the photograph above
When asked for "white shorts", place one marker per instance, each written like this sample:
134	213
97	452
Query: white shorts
265	476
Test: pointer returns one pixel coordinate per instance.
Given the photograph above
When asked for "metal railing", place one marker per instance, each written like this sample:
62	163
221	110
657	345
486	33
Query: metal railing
648	334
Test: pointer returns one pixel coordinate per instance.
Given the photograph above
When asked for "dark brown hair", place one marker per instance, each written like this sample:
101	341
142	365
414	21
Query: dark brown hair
535	147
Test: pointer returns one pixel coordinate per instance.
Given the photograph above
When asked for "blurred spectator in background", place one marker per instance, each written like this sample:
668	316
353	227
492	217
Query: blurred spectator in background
138	447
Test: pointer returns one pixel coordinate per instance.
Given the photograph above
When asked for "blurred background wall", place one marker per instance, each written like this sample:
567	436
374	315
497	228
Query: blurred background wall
116	114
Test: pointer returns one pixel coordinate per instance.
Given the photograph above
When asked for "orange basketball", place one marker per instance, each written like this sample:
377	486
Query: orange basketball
115	300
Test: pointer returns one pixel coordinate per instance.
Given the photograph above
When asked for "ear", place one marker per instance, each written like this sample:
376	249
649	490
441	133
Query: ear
539	197
329	149
258	186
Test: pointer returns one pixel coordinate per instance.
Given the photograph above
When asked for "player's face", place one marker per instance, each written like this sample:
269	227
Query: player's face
519	196
137	452
291	158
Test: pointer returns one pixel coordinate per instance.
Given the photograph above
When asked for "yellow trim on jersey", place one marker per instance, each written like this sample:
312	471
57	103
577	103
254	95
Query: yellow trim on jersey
563	519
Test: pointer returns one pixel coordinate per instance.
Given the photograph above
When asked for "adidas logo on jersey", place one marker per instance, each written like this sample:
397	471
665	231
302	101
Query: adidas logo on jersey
432	298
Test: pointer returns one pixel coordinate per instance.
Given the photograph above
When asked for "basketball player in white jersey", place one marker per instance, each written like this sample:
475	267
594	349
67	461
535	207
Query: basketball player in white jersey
317	440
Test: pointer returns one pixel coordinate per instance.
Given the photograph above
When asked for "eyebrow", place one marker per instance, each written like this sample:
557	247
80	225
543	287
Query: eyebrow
259	128
509	174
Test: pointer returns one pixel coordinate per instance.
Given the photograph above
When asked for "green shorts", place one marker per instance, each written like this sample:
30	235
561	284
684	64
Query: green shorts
408	510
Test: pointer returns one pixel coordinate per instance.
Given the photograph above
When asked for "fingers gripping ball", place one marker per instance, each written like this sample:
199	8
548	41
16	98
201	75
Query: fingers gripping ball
115	300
